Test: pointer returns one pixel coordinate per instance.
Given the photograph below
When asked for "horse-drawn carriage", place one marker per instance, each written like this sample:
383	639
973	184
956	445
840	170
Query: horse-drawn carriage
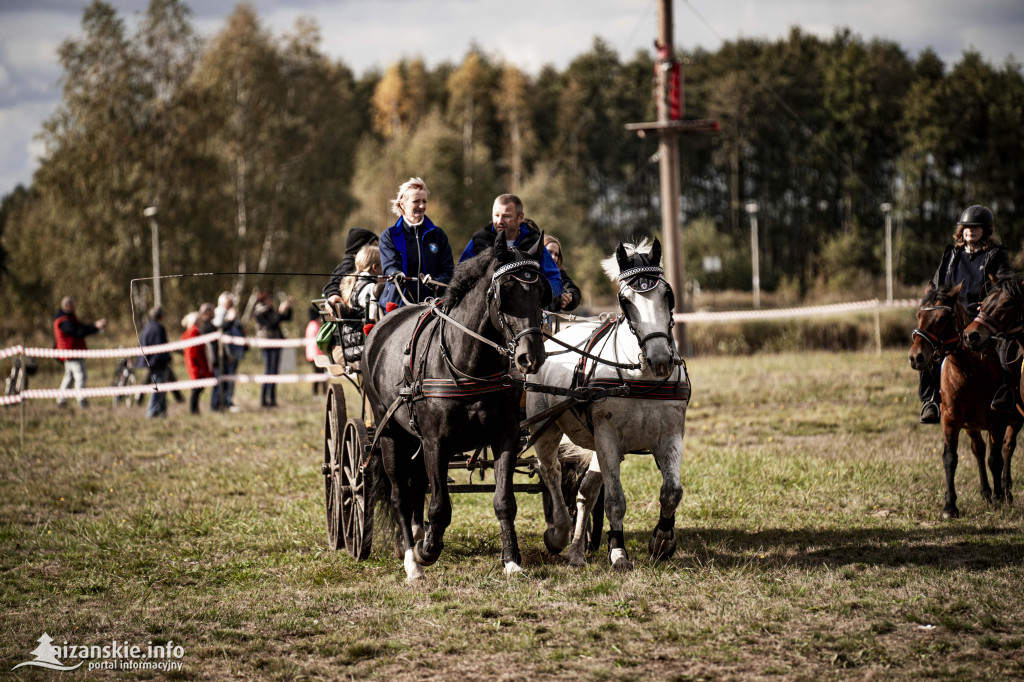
442	379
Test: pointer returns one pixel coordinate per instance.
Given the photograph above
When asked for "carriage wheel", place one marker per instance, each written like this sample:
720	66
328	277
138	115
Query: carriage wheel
355	510
332	465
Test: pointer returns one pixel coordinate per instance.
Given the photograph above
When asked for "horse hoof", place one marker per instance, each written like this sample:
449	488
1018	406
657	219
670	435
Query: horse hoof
620	561
953	513
662	545
576	559
413	572
512	569
1009	497
554	541
422	557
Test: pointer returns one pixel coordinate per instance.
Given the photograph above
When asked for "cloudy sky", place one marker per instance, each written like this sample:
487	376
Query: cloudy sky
529	33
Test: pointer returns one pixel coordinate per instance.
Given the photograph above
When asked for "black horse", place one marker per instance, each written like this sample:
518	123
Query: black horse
440	380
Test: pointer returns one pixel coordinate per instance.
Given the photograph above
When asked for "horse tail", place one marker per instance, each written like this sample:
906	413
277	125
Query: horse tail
574	461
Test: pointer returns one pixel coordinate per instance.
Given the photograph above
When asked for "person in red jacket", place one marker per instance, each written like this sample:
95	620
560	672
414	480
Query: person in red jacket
197	361
69	334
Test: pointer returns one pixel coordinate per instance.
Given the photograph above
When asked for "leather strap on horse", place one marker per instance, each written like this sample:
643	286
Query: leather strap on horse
647	390
591	341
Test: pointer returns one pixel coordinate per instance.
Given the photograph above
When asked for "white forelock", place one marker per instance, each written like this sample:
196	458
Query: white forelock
610	265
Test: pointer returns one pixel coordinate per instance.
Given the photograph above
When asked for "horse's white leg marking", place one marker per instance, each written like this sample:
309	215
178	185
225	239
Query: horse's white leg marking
609	453
413	572
586	498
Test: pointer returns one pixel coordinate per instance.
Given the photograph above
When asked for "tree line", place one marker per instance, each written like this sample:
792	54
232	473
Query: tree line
259	152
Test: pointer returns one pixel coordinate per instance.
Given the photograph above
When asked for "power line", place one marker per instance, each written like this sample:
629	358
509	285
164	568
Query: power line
803	126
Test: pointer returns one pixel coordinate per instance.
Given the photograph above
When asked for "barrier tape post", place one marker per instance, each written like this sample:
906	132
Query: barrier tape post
878	330
25	370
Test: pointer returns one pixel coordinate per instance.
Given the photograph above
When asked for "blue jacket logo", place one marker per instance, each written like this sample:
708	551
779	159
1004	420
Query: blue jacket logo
432	247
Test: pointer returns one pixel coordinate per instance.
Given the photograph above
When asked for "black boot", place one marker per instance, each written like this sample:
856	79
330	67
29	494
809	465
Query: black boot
1003	400
929	413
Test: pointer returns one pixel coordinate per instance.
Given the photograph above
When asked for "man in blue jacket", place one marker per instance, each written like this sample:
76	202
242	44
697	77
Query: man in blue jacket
507	215
159	364
414	246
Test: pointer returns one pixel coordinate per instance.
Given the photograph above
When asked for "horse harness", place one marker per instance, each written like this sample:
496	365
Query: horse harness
586	389
940	347
461	384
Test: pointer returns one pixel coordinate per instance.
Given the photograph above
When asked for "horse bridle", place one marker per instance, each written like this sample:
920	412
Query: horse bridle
643	276
939	346
526	271
986	321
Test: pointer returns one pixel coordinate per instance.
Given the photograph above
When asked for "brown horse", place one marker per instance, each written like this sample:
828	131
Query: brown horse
1001	317
969	379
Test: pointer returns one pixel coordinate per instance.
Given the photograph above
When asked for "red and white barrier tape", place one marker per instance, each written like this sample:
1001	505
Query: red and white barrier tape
152	350
11	352
788	313
255	342
167	387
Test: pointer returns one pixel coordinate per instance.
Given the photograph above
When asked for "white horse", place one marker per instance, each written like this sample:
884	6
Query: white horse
639	345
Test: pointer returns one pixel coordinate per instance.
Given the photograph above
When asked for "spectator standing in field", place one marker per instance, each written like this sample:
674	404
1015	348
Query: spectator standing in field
414	247
571	294
507	217
268	326
158	364
224	363
356	239
197	360
69	334
974	256
313	350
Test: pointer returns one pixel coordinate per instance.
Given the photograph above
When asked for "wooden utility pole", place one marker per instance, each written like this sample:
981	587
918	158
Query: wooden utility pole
670	123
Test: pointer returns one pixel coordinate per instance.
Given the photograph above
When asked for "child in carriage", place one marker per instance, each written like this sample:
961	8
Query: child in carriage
359	293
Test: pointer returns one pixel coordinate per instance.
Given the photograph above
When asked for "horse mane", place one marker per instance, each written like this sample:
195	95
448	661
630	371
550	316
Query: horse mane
1009	284
940	295
937	295
610	265
467	274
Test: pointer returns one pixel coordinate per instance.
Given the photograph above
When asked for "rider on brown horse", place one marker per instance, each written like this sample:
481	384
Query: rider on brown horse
974	256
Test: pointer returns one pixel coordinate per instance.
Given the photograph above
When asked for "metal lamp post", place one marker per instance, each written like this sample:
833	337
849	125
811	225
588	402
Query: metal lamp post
154	227
755	264
887	210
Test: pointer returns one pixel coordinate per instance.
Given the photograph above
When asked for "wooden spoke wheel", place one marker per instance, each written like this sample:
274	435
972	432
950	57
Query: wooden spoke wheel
333	424
356	512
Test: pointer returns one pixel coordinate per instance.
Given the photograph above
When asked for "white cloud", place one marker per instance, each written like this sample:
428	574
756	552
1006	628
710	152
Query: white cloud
528	33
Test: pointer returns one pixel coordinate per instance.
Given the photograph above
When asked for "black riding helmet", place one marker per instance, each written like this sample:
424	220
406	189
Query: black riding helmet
977	215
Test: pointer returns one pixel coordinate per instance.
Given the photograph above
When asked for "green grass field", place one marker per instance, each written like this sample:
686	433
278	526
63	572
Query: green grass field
811	546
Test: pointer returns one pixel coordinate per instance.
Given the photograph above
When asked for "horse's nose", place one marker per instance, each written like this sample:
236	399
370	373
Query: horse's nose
660	363
973	339
528	362
918	359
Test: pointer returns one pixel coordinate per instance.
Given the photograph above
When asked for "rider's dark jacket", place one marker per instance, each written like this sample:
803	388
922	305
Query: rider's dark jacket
994	261
526	240
413	251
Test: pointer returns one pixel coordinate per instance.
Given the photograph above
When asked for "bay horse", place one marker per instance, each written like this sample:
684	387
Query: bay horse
1000	318
969	380
439	380
652	417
